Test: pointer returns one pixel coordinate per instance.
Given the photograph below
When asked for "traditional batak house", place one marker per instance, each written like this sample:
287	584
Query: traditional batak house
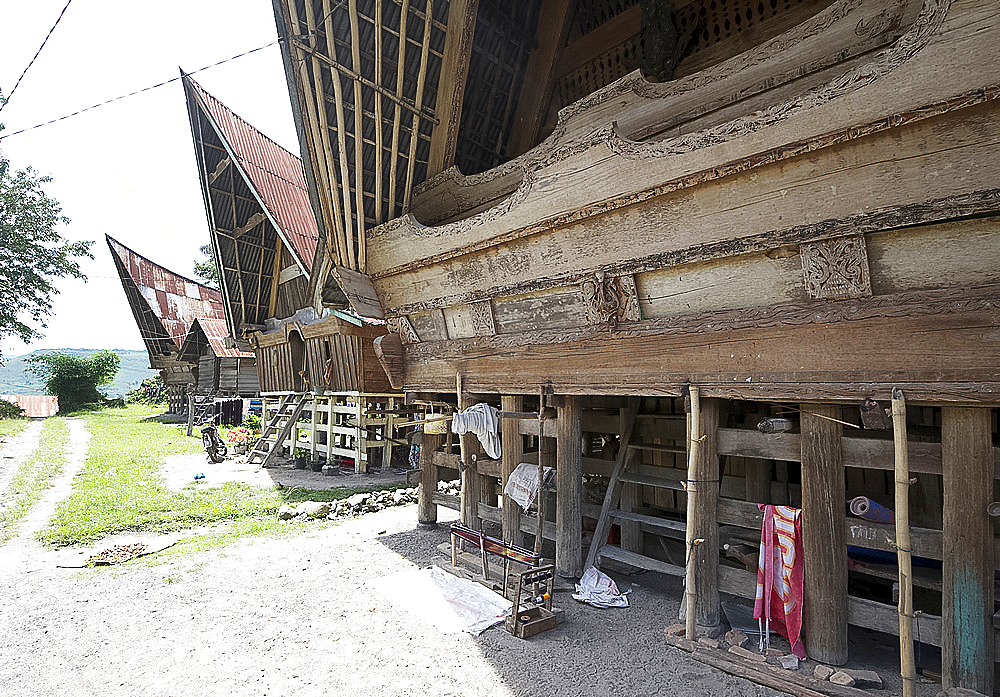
707	234
320	380
166	306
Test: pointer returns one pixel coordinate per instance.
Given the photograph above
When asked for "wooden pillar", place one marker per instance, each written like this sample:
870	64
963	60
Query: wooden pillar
569	488
967	541
512	452
426	508
705	526
468	446
823	538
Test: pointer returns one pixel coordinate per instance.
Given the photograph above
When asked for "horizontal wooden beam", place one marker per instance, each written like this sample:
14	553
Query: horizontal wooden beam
868	453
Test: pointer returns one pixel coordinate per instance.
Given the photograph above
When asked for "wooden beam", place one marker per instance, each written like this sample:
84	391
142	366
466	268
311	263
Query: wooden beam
569	489
536	89
824	547
454	73
967	573
512	453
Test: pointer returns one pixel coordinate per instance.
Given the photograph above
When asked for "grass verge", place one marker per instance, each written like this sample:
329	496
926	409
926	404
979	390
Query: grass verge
34	475
11	427
119	488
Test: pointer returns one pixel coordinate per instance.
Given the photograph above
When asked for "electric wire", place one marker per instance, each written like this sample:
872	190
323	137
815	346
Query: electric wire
137	92
32	61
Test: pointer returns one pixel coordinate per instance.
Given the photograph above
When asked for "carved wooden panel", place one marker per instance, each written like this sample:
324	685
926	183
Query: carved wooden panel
402	327
482	318
610	300
836	268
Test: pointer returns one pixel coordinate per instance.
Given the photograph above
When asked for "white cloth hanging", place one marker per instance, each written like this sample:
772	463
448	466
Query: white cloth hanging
482	420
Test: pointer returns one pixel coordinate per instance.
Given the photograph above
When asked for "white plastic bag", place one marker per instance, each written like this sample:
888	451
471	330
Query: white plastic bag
522	485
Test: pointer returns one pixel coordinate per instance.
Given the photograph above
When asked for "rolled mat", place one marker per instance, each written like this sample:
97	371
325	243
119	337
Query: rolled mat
864	507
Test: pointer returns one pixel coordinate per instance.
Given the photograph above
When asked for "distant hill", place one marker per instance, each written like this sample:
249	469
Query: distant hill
14	378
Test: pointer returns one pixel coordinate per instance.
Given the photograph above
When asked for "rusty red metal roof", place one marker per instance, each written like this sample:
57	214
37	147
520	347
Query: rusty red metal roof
275	174
175	300
216	332
34	404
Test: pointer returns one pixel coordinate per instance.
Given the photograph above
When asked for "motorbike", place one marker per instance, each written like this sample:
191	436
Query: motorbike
214	445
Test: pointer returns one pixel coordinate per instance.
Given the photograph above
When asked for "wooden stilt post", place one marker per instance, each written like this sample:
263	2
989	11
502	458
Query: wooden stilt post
512	452
691	486
569	488
967	540
907	668
704	524
823	534
426	508
540	497
468	473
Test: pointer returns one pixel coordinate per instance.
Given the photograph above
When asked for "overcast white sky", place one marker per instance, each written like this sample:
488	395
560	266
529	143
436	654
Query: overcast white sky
128	169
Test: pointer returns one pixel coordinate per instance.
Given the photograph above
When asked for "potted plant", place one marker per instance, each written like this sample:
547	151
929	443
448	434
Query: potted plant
239	439
301	458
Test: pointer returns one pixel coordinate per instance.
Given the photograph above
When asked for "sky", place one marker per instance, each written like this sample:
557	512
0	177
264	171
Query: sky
128	169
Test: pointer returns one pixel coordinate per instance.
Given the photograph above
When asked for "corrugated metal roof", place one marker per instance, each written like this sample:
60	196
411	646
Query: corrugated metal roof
176	301
34	404
216	332
275	174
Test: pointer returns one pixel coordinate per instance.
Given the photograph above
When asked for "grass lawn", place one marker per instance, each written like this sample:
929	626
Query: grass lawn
34	475
119	488
11	427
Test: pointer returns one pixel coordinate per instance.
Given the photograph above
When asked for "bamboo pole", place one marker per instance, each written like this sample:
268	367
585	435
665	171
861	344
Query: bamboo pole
379	194
691	486
902	503
421	79
397	114
359	141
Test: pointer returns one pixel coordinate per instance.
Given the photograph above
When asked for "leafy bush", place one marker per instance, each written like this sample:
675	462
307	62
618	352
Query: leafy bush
9	410
252	422
73	379
150	391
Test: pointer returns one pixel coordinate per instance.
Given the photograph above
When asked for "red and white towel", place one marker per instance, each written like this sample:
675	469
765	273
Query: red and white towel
778	603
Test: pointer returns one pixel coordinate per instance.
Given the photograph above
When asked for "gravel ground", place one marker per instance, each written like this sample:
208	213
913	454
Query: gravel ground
299	616
15	451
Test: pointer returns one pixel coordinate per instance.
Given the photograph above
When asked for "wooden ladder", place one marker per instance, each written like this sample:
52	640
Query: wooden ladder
623	473
281	423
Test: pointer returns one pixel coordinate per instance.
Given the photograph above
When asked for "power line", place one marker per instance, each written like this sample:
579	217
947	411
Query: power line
132	94
32	61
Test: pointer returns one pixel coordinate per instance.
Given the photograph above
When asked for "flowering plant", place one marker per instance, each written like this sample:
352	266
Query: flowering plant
239	436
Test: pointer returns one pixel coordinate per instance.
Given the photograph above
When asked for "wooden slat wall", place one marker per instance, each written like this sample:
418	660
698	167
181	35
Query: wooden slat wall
228	369
247	382
206	373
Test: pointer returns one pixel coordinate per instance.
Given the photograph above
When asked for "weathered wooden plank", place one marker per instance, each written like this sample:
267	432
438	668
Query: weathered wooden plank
569	489
426	506
766	362
511	453
823	546
359	291
796	189
967	602
868	453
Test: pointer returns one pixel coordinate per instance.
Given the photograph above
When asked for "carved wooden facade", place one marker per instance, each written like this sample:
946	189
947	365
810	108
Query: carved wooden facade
802	209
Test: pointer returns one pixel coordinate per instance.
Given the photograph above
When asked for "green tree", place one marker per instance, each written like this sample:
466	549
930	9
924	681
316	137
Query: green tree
73	379
32	253
206	270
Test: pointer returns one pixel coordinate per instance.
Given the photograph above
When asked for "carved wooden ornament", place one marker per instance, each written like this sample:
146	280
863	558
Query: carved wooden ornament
482	318
610	300
836	268
403	328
